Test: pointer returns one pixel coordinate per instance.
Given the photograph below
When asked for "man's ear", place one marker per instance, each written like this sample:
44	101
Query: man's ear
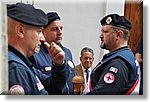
80	58
93	58
120	34
20	30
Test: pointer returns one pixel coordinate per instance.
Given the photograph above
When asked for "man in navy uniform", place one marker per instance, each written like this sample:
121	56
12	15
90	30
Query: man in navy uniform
118	72
25	25
53	33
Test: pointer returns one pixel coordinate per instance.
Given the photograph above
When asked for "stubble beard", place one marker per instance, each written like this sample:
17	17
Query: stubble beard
102	45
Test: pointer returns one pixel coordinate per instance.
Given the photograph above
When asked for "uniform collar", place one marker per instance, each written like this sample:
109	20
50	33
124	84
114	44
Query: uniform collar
20	55
122	48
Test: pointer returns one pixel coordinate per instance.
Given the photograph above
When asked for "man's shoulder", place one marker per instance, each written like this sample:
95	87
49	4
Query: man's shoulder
79	70
92	67
66	49
78	67
16	62
17	66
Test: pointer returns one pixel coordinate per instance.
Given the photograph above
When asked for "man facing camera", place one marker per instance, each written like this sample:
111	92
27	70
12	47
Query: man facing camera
84	69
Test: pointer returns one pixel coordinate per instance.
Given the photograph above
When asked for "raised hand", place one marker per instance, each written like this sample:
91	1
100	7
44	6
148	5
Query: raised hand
56	53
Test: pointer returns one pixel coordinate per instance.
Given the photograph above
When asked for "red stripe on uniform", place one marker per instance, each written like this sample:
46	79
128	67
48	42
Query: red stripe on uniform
90	84
133	87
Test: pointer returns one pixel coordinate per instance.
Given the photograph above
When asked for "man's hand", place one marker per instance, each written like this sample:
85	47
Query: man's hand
56	53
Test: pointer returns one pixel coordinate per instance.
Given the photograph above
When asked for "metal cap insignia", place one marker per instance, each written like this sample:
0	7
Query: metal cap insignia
108	20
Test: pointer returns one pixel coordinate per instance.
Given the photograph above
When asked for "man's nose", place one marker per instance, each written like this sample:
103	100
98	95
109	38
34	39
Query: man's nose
87	59
59	31
101	35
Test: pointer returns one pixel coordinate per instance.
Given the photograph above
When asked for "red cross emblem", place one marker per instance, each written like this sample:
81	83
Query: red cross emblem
109	78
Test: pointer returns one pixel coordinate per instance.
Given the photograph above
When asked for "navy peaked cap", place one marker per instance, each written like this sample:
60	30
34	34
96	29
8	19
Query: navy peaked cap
52	16
27	14
116	20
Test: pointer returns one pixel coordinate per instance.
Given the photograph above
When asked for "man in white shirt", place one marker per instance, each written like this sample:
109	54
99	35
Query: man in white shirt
85	67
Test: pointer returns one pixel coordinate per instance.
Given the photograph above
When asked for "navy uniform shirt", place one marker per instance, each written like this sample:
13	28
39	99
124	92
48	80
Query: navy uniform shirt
43	62
25	79
116	74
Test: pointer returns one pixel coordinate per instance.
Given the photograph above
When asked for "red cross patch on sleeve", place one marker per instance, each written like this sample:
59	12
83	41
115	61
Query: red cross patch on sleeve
109	78
16	90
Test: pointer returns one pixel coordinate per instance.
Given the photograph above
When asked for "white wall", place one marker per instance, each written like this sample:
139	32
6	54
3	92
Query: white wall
0	47
117	5
3	50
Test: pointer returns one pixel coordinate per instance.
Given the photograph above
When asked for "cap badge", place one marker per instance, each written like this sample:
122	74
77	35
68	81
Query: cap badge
108	20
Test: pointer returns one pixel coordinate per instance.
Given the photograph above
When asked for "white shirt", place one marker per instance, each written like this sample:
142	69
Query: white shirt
87	88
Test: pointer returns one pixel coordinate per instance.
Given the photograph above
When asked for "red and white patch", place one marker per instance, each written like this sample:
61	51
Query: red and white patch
109	78
16	90
39	84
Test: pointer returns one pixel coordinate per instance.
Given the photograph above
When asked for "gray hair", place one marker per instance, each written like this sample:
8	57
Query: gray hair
125	31
87	49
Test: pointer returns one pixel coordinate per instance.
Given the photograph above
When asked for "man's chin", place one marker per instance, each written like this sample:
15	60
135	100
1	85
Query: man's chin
58	43
102	46
37	50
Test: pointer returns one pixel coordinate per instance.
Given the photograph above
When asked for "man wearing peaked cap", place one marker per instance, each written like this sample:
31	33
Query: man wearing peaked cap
53	33
118	72
25	25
